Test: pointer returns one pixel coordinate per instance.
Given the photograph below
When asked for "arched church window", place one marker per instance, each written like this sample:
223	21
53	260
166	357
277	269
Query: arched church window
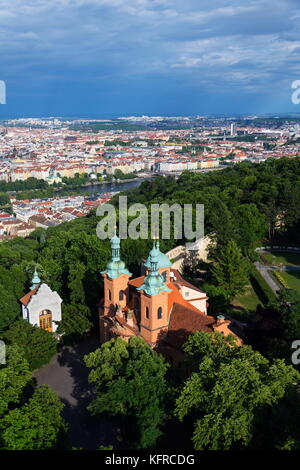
45	320
109	294
121	295
147	312
159	313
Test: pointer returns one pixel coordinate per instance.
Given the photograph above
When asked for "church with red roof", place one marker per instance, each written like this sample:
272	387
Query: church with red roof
161	307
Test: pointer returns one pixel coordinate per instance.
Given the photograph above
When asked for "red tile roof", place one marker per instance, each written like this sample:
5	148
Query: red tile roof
26	298
176	297
184	321
137	282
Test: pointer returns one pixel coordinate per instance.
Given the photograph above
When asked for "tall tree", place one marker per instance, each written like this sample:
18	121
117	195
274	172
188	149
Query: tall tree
75	284
230	386
230	270
9	307
14	377
76	319
251	226
289	307
130	382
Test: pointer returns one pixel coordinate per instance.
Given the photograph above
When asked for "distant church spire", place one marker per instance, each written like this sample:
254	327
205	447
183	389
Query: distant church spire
35	280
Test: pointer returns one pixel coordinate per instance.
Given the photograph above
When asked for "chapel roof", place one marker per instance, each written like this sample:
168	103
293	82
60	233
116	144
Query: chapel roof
26	298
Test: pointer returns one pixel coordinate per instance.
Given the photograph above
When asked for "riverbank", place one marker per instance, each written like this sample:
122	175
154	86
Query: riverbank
89	189
100	187
129	180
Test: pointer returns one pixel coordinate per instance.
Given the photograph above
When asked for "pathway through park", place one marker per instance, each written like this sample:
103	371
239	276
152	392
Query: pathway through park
265	270
67	375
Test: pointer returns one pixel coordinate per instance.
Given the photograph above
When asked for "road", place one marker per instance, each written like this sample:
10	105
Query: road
67	375
266	275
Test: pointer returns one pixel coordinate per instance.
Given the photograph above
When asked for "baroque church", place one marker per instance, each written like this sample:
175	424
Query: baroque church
41	306
161	307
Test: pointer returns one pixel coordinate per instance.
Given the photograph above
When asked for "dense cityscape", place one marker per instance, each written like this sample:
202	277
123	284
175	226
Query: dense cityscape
50	151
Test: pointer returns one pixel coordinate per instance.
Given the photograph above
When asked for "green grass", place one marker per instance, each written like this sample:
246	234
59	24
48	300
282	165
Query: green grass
292	278
248	299
287	259
244	304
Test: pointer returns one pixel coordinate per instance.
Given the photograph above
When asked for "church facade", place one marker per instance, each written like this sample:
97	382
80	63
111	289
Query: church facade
41	306
161	307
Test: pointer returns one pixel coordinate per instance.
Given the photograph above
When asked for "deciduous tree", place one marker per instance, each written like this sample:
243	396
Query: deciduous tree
228	388
130	382
39	346
37	425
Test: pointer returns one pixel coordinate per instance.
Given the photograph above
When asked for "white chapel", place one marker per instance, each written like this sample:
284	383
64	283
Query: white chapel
41	306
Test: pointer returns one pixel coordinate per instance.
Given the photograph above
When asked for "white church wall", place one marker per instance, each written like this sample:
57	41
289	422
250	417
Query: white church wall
44	299
194	297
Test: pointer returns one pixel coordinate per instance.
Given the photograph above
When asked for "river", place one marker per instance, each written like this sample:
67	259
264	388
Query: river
101	188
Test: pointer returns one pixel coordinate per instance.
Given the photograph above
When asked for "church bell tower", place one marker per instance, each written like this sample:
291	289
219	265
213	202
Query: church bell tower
116	278
154	300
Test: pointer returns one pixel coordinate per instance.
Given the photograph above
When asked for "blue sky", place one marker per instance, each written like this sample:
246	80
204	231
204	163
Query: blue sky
169	57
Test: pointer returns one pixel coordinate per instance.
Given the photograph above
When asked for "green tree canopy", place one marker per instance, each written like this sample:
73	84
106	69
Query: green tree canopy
14	376
230	270
9	307
39	346
289	307
228	388
37	425
75	319
130	382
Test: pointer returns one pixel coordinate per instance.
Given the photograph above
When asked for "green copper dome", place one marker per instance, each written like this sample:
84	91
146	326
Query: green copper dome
115	267
162	261
154	282
35	280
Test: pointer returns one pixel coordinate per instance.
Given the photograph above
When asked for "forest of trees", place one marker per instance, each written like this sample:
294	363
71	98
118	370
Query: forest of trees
221	397
245	206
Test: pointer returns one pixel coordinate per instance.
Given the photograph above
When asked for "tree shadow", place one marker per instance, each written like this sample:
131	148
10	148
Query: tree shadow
85	431
89	432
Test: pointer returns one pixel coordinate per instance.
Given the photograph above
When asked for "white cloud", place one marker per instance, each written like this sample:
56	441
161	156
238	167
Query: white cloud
136	38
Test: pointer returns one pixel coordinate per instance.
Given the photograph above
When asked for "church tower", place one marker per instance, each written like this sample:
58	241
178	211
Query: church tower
116	278
163	264
154	299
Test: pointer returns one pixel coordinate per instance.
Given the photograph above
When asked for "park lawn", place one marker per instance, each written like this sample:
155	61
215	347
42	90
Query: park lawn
292	278
248	299
244	304
287	259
